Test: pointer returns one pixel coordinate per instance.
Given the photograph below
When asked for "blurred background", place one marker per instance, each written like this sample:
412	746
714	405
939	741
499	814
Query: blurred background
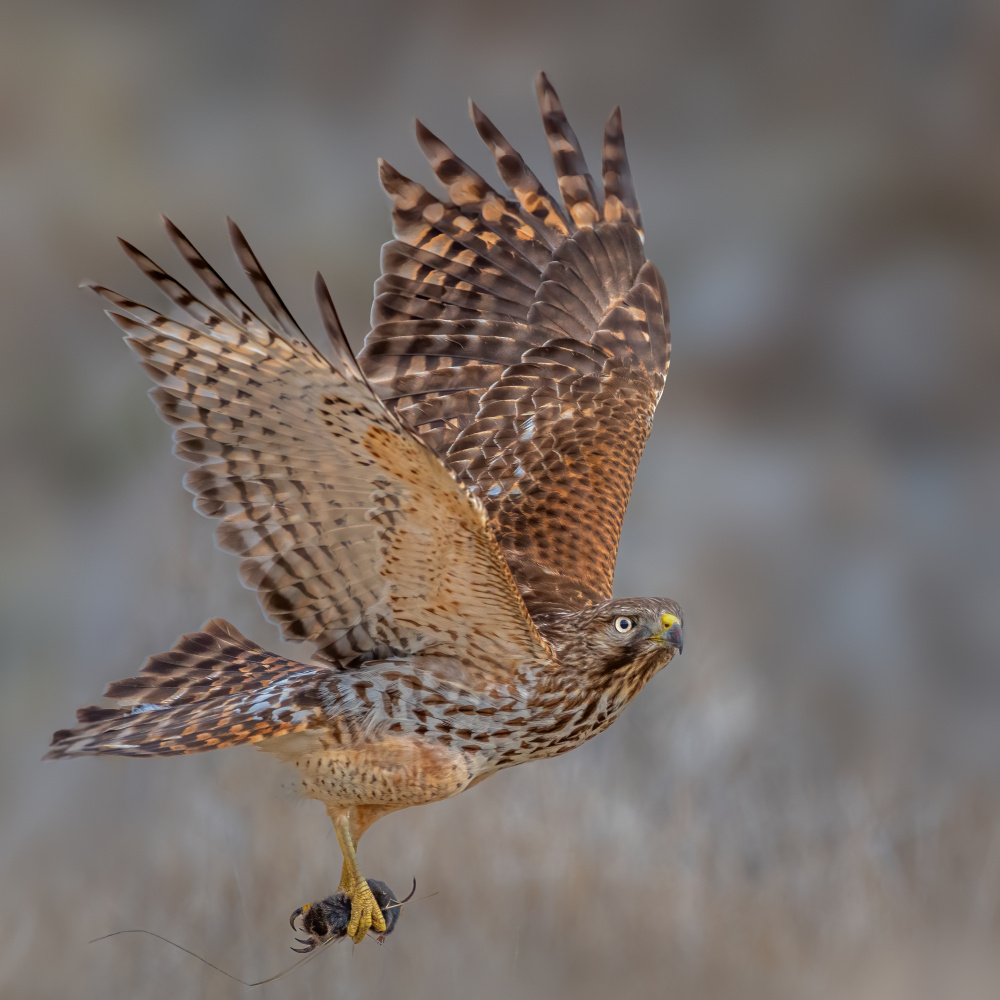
808	803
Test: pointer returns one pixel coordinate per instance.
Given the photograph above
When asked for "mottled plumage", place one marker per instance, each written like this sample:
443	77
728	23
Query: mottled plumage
440	516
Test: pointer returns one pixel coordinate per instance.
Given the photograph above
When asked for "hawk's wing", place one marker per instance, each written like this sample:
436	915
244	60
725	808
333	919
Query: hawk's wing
354	534
527	342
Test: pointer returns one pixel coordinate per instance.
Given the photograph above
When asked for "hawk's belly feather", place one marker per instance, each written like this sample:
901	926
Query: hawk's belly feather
390	771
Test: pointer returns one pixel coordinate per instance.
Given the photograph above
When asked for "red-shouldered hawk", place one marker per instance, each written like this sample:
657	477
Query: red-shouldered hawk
439	517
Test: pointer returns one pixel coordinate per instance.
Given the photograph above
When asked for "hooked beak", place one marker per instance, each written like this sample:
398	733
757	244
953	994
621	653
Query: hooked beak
670	633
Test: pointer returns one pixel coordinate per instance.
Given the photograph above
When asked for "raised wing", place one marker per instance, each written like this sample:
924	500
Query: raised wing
353	533
526	340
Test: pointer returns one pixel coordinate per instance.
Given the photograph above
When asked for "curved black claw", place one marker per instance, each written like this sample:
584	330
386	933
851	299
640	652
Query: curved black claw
329	917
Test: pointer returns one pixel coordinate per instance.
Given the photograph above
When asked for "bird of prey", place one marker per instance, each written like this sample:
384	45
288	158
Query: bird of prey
438	516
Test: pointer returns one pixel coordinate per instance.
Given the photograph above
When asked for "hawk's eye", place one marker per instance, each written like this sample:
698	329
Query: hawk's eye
623	624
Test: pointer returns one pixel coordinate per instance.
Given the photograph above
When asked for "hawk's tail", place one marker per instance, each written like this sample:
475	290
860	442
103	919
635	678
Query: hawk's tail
214	689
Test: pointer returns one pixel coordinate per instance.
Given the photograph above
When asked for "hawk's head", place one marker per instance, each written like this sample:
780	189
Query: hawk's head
618	644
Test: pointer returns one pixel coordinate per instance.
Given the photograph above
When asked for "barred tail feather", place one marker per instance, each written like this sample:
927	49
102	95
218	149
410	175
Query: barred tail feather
214	689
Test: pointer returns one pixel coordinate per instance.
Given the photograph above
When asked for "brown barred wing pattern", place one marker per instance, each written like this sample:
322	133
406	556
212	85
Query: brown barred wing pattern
526	339
339	512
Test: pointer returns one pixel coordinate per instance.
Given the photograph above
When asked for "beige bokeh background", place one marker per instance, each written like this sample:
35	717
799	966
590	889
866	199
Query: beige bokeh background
807	804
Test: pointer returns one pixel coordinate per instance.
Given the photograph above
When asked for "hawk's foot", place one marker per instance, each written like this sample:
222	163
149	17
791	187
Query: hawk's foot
334	916
365	912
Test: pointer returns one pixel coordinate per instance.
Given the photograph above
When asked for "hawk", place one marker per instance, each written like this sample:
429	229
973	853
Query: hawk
439	516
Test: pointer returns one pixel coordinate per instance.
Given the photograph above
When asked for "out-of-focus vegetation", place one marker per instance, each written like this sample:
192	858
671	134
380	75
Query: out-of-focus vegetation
805	804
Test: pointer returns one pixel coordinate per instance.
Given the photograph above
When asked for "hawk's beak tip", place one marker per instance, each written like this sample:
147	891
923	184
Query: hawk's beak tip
676	637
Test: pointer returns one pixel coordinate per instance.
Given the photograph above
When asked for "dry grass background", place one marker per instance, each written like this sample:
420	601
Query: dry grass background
805	805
